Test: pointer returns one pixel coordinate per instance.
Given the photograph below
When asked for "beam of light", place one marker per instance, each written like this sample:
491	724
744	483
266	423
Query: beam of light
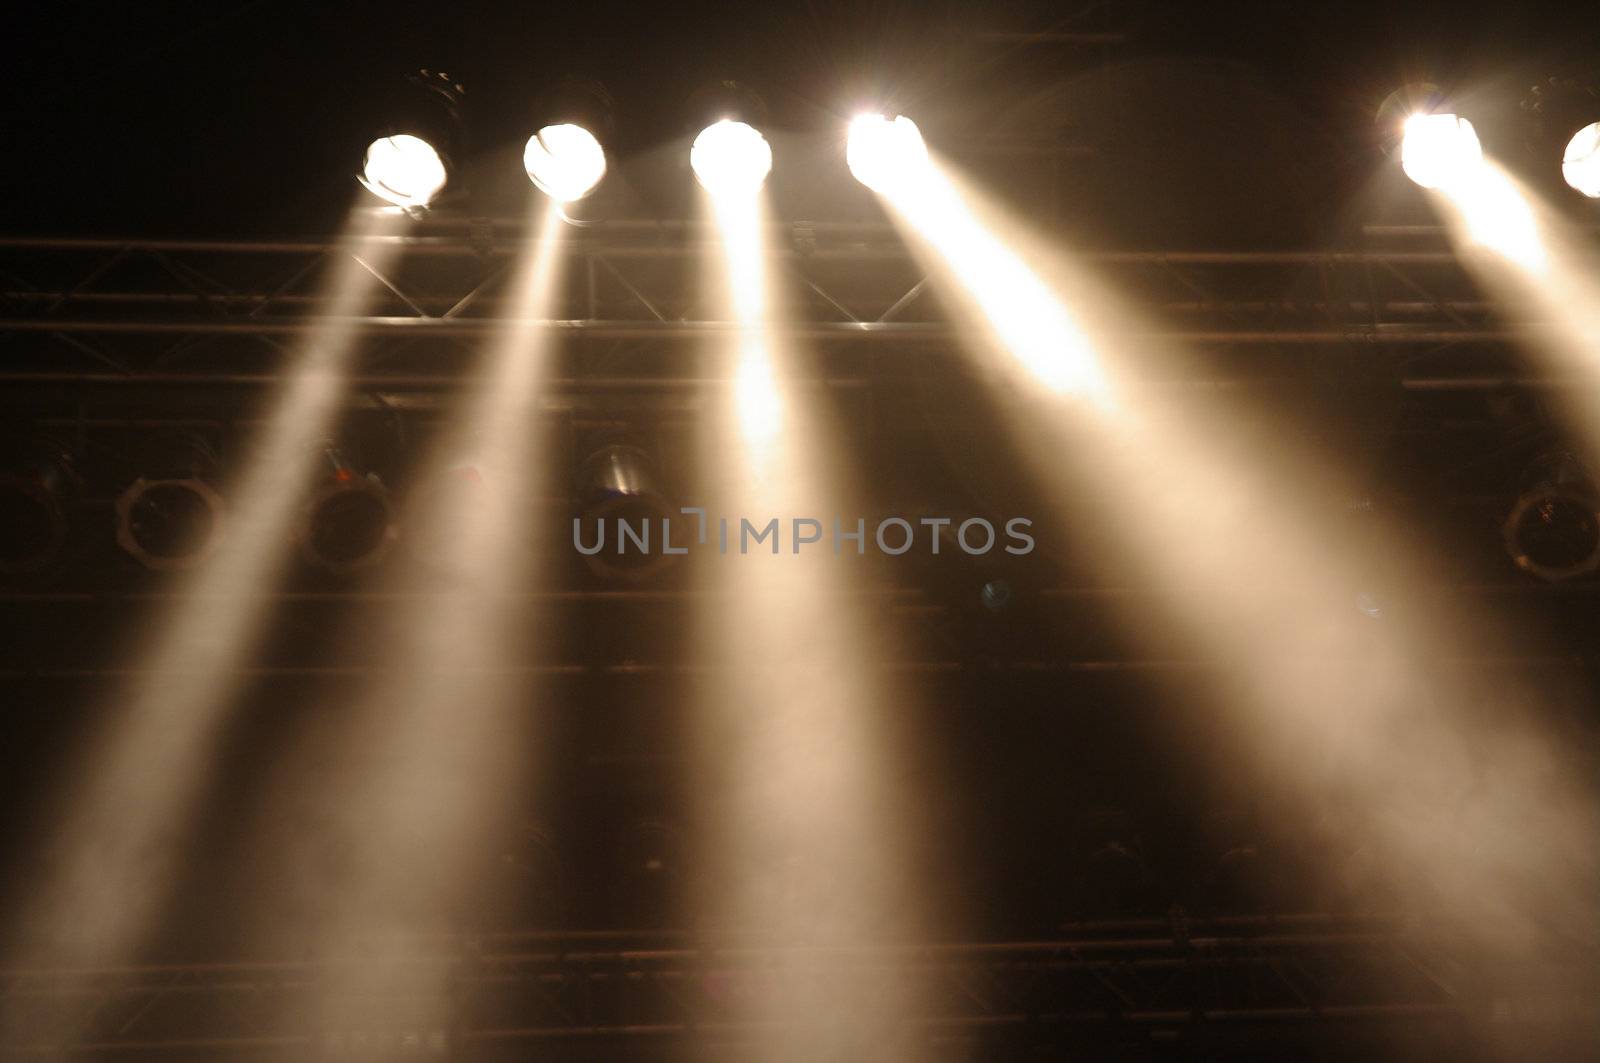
803	838
1522	251
1027	318
427	755
1494	213
403	170
757	397
565	162
120	842
1448	774
730	159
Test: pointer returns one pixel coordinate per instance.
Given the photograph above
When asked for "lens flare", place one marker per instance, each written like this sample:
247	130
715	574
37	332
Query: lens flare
1437	149
565	162
1580	163
730	158
404	170
881	150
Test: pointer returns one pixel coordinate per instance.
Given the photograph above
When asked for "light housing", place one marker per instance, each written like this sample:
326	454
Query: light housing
1564	124
1553	529
1436	148
565	158
169	523
36	488
1580	161
171	517
730	156
880	150
411	156
349	524
619	482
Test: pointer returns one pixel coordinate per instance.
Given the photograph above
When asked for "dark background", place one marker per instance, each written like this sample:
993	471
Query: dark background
248	117
1204	125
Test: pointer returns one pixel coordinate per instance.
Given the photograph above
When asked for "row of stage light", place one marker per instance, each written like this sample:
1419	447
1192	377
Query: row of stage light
176	515
412	159
352	519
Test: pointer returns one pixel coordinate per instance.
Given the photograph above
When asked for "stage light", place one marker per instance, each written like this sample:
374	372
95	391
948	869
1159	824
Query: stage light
730	158
617	488
403	169
880	150
566	157
349	523
410	159
167	524
1553	530
34	494
1436	149
565	161
171	517
1580	163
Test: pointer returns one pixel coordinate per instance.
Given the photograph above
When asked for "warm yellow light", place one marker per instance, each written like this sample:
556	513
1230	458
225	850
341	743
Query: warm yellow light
1437	149
730	158
1580	163
881	150
403	169
1498	215
1016	305
565	162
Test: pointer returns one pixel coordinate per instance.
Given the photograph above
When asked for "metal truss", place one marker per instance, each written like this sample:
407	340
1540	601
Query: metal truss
103	311
1136	978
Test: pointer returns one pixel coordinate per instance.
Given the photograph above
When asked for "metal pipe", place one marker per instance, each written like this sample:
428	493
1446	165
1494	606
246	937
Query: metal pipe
695	330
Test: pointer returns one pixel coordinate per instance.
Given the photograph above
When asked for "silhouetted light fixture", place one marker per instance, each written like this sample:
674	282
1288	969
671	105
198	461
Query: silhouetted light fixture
167	524
1565	118
349	522
730	156
1553	530
412	155
566	157
35	489
171	517
620	498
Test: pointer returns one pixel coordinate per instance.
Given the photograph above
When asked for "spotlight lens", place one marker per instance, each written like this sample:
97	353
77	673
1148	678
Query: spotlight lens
730	158
1580	163
565	162
171	521
403	169
349	529
1438	148
880	149
1557	535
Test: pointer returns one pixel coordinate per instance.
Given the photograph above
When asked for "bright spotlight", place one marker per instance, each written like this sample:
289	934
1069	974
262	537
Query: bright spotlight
1580	162
411	155
730	158
1436	149
403	169
881	149
564	161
